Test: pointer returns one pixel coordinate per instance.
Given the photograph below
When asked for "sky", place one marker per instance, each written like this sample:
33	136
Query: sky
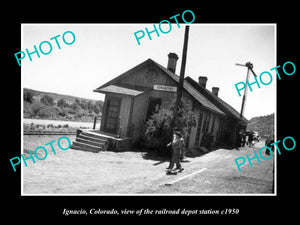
102	52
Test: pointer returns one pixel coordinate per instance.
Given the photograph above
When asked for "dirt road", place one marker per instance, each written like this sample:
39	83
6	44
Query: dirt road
79	172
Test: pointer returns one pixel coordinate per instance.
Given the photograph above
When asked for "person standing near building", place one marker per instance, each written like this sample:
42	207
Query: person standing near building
269	141
250	139
177	145
239	140
244	139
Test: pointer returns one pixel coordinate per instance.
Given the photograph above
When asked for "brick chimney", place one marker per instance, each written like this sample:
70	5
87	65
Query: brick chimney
215	91
172	62
202	81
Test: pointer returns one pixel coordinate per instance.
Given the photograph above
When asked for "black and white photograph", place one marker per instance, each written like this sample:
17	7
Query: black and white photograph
158	115
133	112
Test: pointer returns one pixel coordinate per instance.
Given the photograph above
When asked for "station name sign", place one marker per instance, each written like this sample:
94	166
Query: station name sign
164	88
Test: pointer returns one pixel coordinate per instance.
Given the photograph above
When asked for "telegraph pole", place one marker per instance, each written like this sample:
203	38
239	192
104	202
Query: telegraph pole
244	96
249	66
181	76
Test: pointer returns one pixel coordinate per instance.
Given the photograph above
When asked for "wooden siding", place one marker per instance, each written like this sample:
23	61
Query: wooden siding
209	123
103	113
133	109
138	116
125	115
147	77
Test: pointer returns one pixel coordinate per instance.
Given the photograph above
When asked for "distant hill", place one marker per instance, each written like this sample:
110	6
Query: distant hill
47	105
69	98
264	125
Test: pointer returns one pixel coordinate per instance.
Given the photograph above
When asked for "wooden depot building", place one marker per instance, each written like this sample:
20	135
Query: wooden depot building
132	97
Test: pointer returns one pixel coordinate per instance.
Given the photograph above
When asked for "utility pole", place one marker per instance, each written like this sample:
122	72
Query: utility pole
249	65
181	76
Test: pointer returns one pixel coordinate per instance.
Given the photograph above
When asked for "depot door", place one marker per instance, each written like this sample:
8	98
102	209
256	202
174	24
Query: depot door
111	124
153	106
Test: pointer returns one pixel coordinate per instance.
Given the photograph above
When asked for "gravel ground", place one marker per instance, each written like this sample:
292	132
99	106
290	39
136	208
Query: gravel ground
79	172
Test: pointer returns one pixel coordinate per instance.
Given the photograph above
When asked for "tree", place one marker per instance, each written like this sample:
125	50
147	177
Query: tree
62	103
47	112
62	112
75	106
159	132
36	107
28	96
96	109
99	104
159	127
77	101
47	100
90	106
83	104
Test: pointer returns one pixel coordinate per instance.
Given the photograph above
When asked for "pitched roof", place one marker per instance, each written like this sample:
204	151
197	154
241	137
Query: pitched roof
123	75
200	94
192	91
228	109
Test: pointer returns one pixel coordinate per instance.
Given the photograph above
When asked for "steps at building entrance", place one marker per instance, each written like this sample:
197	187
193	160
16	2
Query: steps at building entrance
95	141
87	141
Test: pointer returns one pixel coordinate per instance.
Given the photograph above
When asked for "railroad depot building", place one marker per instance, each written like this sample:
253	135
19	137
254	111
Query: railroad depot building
132	97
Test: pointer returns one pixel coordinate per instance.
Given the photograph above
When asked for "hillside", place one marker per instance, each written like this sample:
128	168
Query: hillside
47	105
69	98
264	125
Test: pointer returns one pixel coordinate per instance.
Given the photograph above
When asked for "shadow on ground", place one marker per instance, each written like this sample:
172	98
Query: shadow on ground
156	155
162	156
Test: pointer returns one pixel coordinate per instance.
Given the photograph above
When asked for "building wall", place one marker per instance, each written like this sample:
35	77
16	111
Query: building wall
125	115
216	128
210	124
194	133
133	118
148	76
138	115
134	109
103	113
228	131
144	80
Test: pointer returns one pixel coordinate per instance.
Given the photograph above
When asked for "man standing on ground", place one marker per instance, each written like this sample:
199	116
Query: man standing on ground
177	145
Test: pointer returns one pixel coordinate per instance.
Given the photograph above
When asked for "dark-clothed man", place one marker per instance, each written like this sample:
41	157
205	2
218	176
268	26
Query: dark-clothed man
239	140
177	146
269	141
250	139
244	139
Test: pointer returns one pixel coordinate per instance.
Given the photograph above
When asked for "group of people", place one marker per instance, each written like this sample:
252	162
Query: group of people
246	138
177	144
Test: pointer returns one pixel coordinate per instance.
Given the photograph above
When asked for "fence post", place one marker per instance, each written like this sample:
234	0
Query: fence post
95	121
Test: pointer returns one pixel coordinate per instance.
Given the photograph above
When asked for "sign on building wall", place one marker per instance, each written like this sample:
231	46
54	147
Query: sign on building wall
164	88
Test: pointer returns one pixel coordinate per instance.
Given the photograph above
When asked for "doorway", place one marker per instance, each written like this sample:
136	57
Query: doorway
111	124
153	106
